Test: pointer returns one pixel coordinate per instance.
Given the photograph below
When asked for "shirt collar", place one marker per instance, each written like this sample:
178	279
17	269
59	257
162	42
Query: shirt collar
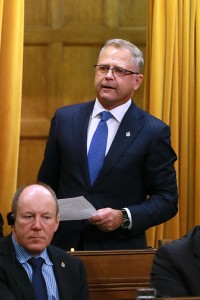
117	112
22	255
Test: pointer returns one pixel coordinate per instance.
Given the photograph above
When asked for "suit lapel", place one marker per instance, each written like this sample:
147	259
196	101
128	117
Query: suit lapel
80	126
62	274
24	283
131	125
20	279
16	271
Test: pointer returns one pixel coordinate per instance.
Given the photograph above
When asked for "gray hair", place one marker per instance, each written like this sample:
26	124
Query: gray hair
123	44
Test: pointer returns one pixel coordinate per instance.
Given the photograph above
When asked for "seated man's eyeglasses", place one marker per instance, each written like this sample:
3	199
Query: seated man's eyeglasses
119	72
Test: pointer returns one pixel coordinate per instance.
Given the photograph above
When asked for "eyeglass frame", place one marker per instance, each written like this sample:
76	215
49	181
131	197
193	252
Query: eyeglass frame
126	72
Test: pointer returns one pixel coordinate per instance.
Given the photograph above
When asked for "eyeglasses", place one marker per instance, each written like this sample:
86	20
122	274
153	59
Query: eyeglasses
119	72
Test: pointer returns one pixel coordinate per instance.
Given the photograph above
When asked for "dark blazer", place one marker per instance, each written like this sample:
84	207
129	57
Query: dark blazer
176	267
15	284
138	166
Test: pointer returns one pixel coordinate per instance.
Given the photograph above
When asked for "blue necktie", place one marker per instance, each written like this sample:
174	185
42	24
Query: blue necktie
96	153
38	281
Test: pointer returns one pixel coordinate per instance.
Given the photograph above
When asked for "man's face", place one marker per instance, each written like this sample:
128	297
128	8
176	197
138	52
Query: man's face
111	90
36	219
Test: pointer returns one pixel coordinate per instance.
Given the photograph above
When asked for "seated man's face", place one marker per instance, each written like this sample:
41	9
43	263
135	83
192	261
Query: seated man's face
36	219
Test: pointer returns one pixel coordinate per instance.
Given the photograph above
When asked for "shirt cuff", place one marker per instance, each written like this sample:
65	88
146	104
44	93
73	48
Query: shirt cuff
130	217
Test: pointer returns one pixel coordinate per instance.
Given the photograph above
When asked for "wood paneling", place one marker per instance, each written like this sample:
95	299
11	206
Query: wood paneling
62	42
30	158
116	275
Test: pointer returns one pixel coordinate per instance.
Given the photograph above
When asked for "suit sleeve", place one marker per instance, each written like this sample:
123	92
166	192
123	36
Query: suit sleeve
165	275
49	171
160	184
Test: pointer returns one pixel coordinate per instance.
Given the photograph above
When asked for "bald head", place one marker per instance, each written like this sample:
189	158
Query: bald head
33	189
35	210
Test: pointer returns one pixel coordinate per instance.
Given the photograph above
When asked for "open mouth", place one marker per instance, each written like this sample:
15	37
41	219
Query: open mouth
108	87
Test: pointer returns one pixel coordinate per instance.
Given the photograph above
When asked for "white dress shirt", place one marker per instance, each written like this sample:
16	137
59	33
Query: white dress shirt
113	125
47	269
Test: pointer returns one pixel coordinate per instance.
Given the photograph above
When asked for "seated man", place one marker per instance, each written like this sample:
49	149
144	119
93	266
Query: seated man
1	225
35	218
176	267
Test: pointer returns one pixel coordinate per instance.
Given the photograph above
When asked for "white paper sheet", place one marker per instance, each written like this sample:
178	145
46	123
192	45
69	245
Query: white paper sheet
77	208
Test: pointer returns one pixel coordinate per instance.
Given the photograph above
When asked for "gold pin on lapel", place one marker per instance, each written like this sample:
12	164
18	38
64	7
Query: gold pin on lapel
128	134
62	264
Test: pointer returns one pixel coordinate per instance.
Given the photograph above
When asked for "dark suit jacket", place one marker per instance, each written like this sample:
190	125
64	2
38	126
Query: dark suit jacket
176	267
15	284
139	165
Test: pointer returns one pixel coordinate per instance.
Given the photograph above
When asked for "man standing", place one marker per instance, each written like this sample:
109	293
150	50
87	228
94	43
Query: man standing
133	187
29	267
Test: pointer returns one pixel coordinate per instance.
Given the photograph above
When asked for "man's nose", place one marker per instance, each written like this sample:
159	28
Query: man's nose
110	73
37	223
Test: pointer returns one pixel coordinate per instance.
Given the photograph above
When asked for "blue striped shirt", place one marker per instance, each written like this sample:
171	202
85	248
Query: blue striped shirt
47	269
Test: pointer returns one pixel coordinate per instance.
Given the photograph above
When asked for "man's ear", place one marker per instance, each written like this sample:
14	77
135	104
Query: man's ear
10	219
57	222
138	80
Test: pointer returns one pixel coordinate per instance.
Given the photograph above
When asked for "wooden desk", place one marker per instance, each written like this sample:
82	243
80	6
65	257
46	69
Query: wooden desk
115	275
182	298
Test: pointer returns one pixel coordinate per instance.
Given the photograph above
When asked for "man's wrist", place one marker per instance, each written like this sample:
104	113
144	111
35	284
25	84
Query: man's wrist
126	221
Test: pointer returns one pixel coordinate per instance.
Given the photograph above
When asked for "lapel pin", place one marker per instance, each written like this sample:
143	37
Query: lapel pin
62	264
128	134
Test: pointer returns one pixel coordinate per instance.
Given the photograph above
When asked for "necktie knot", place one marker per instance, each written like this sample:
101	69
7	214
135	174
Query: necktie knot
36	263
105	115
